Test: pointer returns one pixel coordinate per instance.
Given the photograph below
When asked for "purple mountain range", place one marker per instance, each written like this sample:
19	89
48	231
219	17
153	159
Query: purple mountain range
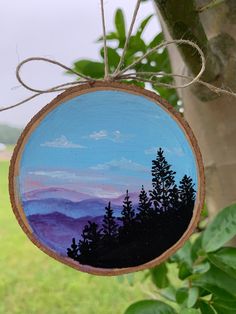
74	196
57	215
54	192
70	203
56	230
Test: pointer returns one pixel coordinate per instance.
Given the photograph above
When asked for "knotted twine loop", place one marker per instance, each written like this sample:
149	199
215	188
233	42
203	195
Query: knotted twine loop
120	74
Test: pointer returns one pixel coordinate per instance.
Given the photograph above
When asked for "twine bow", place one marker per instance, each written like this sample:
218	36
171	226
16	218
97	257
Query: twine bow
120	74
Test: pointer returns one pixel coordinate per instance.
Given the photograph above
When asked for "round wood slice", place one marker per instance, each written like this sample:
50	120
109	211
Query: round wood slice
85	162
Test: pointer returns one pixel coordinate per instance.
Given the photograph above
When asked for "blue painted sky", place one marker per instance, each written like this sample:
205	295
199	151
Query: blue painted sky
103	141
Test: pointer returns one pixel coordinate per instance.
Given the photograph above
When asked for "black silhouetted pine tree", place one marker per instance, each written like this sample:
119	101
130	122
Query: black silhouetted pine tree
163	182
161	219
109	226
144	207
127	218
73	250
91	239
128	213
174	198
84	245
186	191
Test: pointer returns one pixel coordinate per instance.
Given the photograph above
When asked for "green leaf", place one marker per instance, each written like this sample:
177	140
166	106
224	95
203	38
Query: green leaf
184	271
113	57
156	40
150	307
169	293
201	269
90	68
170	95
136	44
206	308
133	82
224	307
196	248
143	25
120	24
110	36
225	259
187	297
182	295
218	282
216	291
221	230
204	212
190	311
159	276
192	296
203	292
183	254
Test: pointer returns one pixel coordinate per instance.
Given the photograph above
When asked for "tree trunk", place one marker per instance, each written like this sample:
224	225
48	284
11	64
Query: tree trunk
212	117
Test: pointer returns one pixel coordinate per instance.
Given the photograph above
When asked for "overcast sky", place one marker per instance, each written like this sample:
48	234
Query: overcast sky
61	30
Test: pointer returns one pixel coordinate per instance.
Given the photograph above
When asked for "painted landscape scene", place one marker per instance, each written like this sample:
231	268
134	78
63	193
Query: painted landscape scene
108	179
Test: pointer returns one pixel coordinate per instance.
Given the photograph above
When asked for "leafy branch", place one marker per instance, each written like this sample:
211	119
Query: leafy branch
156	62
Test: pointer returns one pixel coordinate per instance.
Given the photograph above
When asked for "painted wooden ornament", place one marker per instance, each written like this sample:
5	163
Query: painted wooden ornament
107	179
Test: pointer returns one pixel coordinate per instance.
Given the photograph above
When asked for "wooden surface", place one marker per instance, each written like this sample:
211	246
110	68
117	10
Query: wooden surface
65	96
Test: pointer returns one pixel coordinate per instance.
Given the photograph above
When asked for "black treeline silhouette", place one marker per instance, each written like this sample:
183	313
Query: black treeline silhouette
138	236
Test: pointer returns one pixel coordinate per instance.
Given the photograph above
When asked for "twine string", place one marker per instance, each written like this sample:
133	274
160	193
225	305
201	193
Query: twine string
164	45
56	88
106	67
120	74
127	41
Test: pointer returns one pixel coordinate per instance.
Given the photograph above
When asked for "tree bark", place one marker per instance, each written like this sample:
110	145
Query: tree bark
212	117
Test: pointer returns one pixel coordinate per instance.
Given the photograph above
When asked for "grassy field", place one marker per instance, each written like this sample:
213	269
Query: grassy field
31	282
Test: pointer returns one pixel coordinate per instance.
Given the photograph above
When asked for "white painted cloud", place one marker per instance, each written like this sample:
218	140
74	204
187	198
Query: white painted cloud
178	151
122	164
102	192
62	142
100	135
87	176
114	136
57	174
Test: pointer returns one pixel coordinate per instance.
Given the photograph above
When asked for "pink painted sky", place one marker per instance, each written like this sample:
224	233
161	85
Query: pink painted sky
95	184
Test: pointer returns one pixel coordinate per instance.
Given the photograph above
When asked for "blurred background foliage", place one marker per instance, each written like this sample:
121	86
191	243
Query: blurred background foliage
8	134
